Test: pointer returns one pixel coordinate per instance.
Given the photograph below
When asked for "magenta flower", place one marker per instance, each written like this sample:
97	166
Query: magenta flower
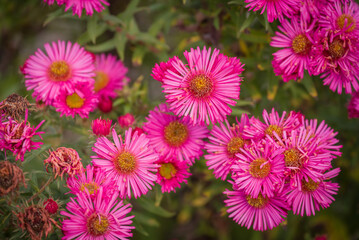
172	136
171	173
101	127
99	218
130	163
89	5
353	106
126	120
59	68
79	101
204	88
276	9
159	70
224	143
110	75
262	212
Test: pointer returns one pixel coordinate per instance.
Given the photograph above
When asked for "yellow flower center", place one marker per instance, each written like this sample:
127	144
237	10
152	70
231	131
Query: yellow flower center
91	187
175	133
234	146
274	128
258	202
344	21
125	162
309	186
101	80
292	158
59	71
301	44
167	170
96	225
200	86
257	170
75	101
336	48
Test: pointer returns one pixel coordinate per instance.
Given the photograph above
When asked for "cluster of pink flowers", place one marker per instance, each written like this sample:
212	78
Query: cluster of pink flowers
321	38
282	163
77	6
72	79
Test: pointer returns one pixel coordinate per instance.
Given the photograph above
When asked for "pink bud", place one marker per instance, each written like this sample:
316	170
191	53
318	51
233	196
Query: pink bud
126	120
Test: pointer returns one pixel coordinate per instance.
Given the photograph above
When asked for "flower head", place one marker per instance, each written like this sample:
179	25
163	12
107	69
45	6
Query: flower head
10	177
89	5
51	206
15	106
101	127
105	104
126	120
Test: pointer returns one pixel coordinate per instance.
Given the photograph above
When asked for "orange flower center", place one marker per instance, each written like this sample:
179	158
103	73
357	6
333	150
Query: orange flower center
59	71
167	170
125	162
274	128
258	202
301	44
336	48
91	187
97	225
309	186
234	146
344	21
258	170
75	101
101	80
200	86
175	133
292	158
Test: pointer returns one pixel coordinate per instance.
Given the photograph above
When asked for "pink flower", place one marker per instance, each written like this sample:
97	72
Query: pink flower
310	9
171	173
51	206
224	143
262	212
98	218
101	127
59	2
275	9
89	5
203	88
59	68
313	195
130	163
17	137
81	100
353	106
174	136
110	75
126	120
159	70
259	170
105	104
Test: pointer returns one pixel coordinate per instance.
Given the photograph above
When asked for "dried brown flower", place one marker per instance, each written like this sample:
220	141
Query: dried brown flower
36	221
15	106
10	177
64	160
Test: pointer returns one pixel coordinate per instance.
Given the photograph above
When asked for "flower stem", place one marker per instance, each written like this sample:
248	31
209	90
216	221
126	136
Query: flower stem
51	179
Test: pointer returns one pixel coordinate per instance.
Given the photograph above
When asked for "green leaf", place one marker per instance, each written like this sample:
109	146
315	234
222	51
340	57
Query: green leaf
52	16
151	207
307	81
120	43
145	219
92	28
247	22
102	47
139	227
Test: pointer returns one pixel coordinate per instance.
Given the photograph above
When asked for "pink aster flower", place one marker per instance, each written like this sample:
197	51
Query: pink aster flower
353	106
224	143
296	41
159	70
204	88
101	127
81	100
313	195
89	5
262	212
59	68
17	136
272	123
275	9
130	163
171	173
90	181
172	136
126	120
110	75
259	170
97	219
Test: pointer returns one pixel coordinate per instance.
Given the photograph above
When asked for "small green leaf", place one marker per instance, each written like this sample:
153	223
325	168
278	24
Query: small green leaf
151	207
120	43
307	81
102	47
92	28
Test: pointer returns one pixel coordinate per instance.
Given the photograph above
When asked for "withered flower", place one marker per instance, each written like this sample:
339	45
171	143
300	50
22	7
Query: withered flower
10	177
64	160
36	221
15	106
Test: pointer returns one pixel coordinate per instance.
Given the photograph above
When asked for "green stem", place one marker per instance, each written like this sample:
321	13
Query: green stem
51	179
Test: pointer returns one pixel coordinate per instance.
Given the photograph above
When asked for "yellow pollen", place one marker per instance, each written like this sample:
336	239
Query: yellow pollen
234	146
167	170
257	170
344	21
274	128
101	80
258	202
292	158
96	225
301	44
75	101
309	186
175	133
59	71
200	86
125	162
91	187
336	49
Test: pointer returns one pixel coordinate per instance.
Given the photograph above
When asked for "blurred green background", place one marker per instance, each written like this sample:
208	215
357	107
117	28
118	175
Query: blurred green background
146	32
